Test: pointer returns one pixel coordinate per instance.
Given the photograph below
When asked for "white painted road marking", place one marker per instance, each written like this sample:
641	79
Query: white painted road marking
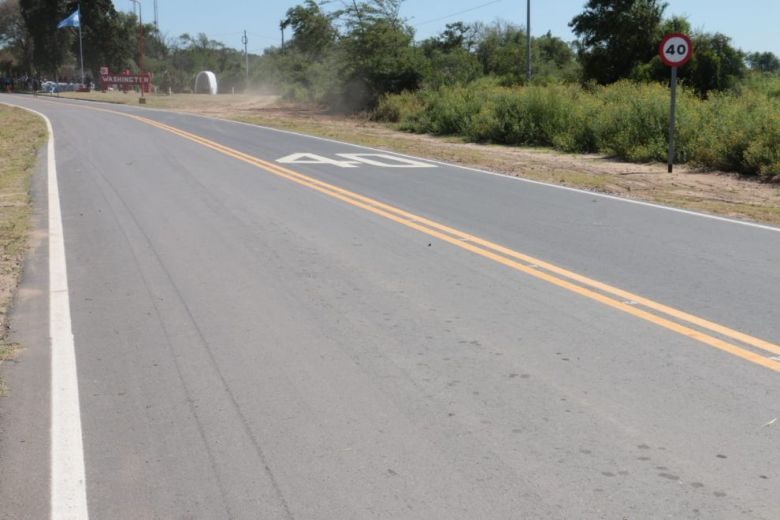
505	176
467	169
387	161
354	160
68	480
311	158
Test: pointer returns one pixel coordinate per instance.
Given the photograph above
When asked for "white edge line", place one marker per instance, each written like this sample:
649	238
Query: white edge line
68	478
461	167
497	174
485	172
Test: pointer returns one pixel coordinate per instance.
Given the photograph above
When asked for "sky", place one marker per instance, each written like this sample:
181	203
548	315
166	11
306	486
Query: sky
754	25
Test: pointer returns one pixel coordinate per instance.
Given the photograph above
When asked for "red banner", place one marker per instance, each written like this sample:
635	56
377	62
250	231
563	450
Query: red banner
125	80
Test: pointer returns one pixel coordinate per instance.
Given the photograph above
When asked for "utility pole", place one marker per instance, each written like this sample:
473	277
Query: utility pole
141	48
528	44
245	41
81	49
281	26
156	22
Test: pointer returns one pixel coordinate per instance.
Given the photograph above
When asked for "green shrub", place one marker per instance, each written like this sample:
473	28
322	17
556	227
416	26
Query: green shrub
398	108
532	115
728	131
632	121
740	131
763	153
448	110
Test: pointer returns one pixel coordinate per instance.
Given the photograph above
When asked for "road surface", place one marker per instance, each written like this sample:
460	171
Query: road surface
270	325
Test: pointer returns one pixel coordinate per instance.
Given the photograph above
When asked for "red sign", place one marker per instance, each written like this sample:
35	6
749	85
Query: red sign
126	80
676	49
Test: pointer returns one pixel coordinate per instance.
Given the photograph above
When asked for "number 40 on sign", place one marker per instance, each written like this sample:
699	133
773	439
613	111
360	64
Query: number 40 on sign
675	51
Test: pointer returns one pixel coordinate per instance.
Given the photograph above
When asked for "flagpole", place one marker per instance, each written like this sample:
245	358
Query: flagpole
74	20
81	50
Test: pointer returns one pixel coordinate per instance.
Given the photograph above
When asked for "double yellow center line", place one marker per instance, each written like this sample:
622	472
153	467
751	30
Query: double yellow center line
739	344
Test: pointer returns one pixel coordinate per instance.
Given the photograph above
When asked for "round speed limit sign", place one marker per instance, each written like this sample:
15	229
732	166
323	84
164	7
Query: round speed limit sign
676	49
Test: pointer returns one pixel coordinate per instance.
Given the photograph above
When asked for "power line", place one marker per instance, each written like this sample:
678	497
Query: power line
261	36
426	22
225	34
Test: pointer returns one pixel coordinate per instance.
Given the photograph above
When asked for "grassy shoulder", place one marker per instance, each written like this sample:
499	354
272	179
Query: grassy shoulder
183	102
21	135
709	191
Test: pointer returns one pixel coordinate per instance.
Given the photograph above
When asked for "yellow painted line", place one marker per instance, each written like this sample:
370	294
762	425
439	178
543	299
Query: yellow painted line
500	253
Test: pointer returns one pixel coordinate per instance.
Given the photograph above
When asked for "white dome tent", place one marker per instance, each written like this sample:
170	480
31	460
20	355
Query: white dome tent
206	83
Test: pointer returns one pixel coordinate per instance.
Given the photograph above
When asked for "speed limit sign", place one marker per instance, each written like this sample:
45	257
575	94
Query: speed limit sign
676	49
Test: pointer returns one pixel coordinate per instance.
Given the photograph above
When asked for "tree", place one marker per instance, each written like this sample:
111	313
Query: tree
457	35
765	62
378	52
48	44
615	36
175	63
313	31
501	51
14	38
105	36
553	59
715	65
450	57
554	50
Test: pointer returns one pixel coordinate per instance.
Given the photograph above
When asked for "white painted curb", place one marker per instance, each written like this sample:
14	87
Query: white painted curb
68	479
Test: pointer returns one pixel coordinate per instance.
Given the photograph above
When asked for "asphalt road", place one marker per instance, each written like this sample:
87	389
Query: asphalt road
337	337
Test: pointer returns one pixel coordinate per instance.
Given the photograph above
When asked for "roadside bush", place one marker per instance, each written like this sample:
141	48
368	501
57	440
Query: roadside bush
553	116
450	110
631	122
740	133
397	108
727	131
763	155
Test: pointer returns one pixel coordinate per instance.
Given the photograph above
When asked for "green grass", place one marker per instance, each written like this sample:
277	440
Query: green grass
21	135
735	132
196	102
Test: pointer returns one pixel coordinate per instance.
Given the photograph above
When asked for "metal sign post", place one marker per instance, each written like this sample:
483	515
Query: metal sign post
675	50
672	122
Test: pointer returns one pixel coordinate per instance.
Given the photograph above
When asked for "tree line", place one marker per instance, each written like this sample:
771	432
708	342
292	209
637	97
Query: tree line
31	45
366	50
349	57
